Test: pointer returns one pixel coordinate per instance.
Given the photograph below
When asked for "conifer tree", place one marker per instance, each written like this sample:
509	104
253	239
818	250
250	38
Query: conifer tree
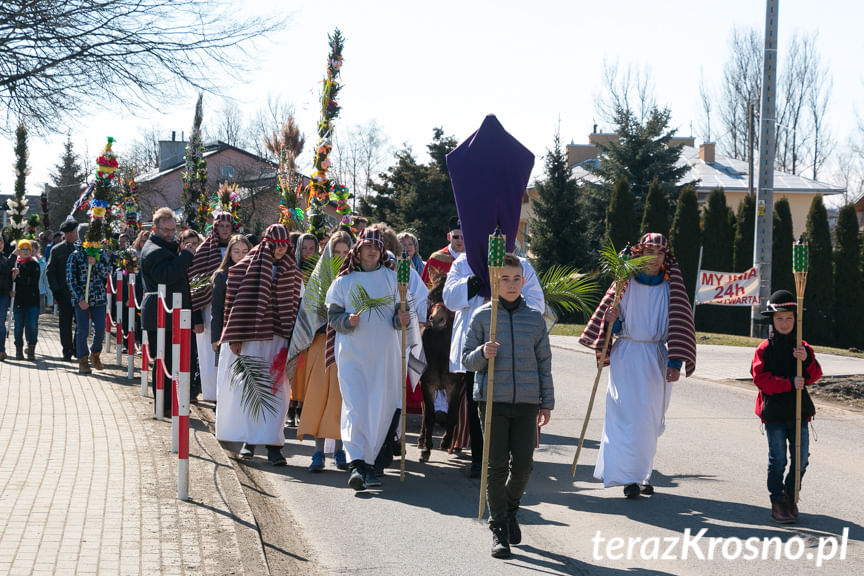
18	206
781	251
848	284
620	219
745	228
557	230
685	237
717	239
656	215
819	296
67	178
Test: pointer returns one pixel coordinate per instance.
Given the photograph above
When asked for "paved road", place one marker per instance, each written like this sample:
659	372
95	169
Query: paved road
709	475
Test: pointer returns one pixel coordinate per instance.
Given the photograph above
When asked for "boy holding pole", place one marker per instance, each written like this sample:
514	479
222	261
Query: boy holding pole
523	396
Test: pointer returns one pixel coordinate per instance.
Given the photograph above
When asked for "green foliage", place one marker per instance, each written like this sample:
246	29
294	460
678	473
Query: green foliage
656	216
319	281
620	218
18	206
253	375
557	227
418	196
685	237
819	296
717	238
745	230
848	284
67	178
566	290
363	303
781	250
619	267
195	172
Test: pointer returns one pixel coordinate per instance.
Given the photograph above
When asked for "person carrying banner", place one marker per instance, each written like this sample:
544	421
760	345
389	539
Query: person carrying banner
364	343
654	312
207	258
774	373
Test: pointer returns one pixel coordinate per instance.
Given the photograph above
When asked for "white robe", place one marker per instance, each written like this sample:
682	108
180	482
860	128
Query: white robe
206	358
638	394
233	423
369	359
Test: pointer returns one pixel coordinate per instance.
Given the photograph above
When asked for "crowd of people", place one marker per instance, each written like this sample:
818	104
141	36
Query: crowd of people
290	328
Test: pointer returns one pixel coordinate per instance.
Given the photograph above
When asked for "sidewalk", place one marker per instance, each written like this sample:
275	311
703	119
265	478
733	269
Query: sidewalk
88	483
733	362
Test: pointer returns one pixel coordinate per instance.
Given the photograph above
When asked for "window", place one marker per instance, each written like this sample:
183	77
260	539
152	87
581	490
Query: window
227	172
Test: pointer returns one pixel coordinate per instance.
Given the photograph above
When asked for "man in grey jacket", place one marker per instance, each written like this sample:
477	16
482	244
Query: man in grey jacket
522	399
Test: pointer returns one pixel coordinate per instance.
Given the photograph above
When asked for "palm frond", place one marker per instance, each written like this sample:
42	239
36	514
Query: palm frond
308	267
565	289
319	283
619	267
199	282
362	302
253	375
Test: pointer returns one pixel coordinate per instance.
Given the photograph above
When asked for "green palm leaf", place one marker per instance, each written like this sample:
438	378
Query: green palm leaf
309	267
197	283
318	284
565	289
362	302
253	375
620	267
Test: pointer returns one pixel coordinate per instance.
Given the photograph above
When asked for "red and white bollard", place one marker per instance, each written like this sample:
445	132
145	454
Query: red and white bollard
160	353
183	380
145	362
176	306
130	335
118	300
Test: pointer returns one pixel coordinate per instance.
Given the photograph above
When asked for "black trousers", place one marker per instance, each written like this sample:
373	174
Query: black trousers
194	383
474	421
67	336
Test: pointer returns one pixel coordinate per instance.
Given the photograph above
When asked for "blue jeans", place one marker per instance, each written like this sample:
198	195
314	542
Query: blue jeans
26	317
82	330
781	434
4	309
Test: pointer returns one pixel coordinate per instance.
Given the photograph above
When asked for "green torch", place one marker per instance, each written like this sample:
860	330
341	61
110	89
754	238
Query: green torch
800	258
403	275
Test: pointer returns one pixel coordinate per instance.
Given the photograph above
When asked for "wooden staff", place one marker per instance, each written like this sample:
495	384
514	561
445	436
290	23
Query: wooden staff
403	275
606	339
800	256
87	285
497	248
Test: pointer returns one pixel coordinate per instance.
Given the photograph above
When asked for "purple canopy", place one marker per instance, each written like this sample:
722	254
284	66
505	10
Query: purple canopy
489	172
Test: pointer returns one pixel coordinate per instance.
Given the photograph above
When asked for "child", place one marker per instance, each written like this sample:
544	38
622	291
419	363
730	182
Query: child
25	276
522	399
774	371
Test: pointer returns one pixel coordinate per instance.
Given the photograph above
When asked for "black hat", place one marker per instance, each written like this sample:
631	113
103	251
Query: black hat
68	226
780	301
454	223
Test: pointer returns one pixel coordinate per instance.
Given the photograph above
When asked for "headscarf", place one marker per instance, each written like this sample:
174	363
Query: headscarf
207	258
258	303
352	262
682	334
298	250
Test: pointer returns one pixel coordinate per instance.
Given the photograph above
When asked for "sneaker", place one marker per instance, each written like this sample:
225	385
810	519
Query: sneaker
274	456
780	514
500	542
247	451
513	529
647	490
355	480
370	478
631	491
340	459
317	464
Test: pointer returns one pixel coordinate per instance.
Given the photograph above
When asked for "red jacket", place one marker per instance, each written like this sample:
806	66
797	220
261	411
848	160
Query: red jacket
770	384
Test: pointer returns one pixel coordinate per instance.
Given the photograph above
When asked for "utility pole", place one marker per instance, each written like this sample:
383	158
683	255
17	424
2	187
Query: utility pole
767	149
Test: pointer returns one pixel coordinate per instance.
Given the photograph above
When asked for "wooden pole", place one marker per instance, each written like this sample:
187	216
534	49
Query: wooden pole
403	275
800	257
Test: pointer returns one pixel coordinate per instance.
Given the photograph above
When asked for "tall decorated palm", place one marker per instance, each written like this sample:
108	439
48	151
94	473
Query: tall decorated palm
18	207
618	267
103	193
195	173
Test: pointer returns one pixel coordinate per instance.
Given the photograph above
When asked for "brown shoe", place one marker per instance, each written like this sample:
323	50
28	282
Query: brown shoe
792	507
31	353
97	363
780	514
84	366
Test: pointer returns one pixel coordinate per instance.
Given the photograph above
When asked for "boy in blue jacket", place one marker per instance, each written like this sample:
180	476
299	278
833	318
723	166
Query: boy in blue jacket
522	399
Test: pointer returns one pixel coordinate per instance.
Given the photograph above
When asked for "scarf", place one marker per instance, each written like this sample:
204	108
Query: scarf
682	334
352	263
207	258
260	303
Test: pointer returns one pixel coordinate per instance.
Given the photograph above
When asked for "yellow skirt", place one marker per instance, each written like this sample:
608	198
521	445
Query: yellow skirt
322	404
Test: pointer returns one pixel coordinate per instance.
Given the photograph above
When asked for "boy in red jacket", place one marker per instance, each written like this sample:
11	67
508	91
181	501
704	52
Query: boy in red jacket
774	373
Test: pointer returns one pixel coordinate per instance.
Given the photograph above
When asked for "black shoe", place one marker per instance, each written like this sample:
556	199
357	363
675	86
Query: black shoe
68	358
355	480
647	490
370	479
274	456
513	529
476	470
500	542
631	491
247	451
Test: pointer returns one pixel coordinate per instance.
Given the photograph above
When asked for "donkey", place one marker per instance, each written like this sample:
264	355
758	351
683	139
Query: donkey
436	345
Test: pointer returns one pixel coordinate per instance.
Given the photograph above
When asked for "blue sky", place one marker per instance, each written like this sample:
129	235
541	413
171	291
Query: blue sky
412	66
